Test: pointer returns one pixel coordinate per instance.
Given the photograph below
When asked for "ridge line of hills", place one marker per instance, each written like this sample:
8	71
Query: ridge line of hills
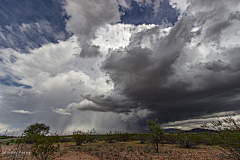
194	130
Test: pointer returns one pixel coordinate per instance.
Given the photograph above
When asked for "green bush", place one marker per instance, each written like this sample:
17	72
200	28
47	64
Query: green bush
126	137
122	136
45	147
188	140
79	137
65	139
3	137
211	138
110	137
7	143
170	138
143	137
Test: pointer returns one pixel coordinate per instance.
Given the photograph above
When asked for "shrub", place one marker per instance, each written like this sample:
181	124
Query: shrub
210	138
45	147
143	137
229	136
79	137
91	135
126	137
122	136
157	133
171	138
7	143
188	140
65	139
19	151
109	137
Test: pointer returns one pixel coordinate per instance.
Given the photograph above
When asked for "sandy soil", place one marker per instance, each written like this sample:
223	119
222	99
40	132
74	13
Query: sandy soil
129	150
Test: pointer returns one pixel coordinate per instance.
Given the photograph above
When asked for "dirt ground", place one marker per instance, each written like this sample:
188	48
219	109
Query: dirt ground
127	150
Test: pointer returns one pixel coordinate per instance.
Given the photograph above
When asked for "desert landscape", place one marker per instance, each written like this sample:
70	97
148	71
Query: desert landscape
132	151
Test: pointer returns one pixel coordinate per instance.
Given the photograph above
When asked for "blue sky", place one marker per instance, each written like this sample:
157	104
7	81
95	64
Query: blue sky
113	64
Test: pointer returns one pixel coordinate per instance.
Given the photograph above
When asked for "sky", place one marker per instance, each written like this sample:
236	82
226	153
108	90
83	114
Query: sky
113	64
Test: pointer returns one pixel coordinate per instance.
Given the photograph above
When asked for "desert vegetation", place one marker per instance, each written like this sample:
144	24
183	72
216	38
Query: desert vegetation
38	143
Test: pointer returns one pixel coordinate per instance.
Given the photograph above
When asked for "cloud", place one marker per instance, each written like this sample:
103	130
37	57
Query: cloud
88	16
90	51
23	112
135	115
196	123
85	105
181	72
217	66
61	111
57	79
129	73
182	5
138	69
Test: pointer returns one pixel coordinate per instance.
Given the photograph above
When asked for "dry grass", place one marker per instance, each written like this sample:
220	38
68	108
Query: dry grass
133	150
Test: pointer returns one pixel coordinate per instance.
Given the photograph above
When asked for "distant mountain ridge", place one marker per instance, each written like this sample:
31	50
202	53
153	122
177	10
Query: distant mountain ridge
194	130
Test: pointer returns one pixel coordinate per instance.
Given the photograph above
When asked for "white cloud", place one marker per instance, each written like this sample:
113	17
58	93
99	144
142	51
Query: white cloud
86	105
61	111
117	36
88	16
180	4
124	3
23	112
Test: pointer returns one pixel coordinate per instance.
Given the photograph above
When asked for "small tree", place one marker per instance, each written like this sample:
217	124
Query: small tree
157	133
33	131
37	128
44	147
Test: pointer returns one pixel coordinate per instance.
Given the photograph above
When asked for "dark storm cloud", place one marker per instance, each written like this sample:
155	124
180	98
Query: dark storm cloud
139	72
150	75
217	66
102	103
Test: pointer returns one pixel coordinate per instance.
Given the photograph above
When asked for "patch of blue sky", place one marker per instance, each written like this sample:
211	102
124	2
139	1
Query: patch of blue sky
8	81
30	24
147	14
